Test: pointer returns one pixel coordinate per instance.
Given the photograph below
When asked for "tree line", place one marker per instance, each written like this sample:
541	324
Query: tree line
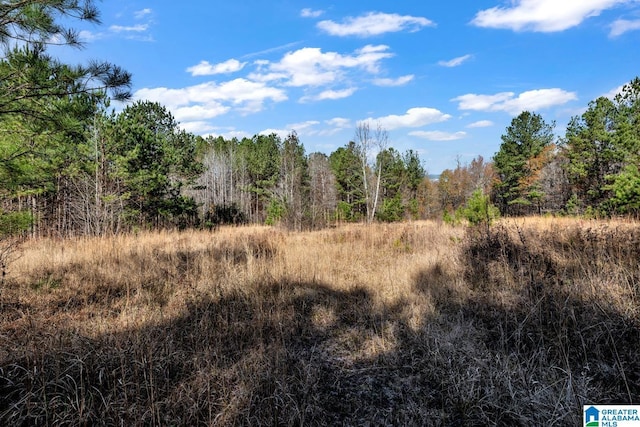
270	180
592	170
71	166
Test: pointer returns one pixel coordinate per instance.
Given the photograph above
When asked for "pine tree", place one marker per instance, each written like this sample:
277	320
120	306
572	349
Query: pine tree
524	151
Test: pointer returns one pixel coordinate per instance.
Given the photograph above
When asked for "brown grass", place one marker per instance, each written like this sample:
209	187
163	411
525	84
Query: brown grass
402	324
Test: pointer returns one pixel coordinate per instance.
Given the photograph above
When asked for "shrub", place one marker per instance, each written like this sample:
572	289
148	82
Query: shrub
392	210
479	209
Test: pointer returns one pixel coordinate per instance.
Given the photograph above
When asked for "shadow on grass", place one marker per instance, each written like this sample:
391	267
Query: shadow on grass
537	349
280	354
522	351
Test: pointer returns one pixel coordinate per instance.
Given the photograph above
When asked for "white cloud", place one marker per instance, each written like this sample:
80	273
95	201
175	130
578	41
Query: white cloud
303	127
89	36
267	77
336	125
481	124
239	134
438	135
142	13
281	133
199	112
310	13
339	122
374	23
507	101
139	28
622	26
482	102
613	92
414	117
204	68
198	127
330	94
310	66
241	94
543	15
455	62
400	81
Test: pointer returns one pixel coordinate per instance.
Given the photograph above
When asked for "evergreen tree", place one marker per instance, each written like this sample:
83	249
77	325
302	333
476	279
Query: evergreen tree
154	160
346	166
603	150
592	151
523	153
45	105
30	79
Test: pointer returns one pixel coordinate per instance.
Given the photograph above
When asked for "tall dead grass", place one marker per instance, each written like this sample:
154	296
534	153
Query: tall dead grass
411	324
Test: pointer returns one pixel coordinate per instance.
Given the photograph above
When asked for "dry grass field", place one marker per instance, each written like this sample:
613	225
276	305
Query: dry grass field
401	324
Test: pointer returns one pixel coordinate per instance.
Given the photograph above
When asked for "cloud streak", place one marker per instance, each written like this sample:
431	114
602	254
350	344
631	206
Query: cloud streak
330	94
543	15
138	28
480	124
532	100
204	68
621	26
400	81
310	13
438	135
455	62
374	24
139	14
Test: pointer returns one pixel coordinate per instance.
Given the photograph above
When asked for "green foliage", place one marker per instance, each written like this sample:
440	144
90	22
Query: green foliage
414	208
12	223
592	151
625	187
293	187
414	170
519	162
262	157
180	211
452	219
43	22
344	212
346	167
394	173
479	209
603	147
401	175
392	209
46	106
275	212
153	160
572	205
29	76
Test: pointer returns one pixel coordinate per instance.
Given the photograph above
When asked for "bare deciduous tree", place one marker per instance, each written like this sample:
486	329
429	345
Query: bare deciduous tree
369	142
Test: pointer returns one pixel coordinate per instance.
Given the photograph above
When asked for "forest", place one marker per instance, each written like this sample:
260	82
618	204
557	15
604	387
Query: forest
84	170
108	172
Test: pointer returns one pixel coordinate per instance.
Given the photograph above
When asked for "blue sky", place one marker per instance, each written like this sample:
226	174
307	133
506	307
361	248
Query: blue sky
443	78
